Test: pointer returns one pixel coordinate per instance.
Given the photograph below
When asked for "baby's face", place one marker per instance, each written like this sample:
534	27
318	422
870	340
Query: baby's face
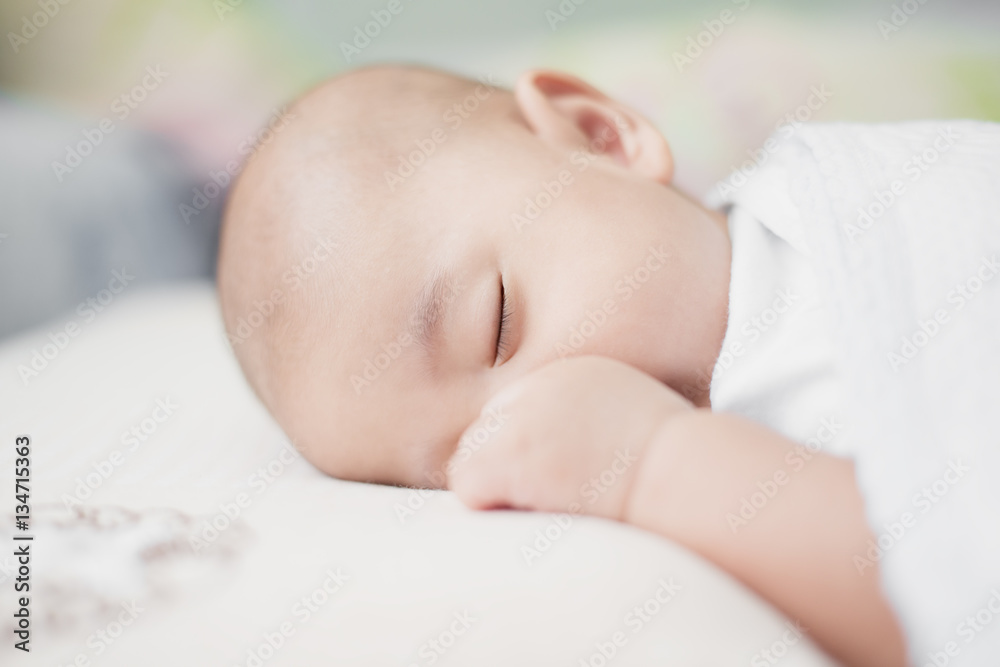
502	252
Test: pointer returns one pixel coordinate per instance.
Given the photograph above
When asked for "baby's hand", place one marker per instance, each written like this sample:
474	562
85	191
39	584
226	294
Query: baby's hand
568	437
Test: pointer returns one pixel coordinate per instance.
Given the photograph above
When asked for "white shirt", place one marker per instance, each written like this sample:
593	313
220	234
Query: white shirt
776	364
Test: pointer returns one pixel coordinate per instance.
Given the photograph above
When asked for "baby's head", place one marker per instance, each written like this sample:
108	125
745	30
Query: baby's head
412	242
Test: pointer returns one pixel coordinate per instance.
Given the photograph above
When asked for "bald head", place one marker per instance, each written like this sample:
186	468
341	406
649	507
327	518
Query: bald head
314	201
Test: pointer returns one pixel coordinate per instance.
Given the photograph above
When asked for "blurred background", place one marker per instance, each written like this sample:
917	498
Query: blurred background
118	118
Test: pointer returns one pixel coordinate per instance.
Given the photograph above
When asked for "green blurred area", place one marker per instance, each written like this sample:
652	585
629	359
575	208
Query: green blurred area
232	64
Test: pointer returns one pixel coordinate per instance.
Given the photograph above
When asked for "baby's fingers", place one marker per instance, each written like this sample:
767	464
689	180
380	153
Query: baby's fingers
481	469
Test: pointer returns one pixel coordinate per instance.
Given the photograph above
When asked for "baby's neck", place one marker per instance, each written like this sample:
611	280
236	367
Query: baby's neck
696	386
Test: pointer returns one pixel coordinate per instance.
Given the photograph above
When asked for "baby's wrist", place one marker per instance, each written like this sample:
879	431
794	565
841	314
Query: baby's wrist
659	465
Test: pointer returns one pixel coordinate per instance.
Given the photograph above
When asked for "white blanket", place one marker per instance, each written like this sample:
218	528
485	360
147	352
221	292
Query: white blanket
902	223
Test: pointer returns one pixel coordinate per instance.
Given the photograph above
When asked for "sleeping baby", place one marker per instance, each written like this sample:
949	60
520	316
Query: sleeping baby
437	282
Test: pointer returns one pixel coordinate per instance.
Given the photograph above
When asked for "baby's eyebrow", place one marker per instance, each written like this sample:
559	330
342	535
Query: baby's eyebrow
426	318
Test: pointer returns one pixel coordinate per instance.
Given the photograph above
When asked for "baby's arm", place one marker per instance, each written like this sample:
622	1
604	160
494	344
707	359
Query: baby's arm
797	551
569	421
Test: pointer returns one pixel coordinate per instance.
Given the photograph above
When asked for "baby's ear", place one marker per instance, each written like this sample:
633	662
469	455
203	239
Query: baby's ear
570	114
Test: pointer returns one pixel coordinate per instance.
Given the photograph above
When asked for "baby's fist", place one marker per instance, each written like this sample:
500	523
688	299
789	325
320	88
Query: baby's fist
568	437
